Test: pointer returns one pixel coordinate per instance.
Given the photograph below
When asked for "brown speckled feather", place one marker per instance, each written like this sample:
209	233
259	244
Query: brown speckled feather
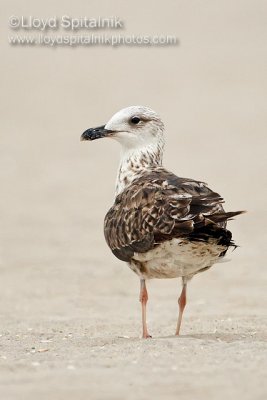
159	206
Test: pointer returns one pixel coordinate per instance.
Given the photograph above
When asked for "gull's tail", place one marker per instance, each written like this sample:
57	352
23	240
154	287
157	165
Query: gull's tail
224	216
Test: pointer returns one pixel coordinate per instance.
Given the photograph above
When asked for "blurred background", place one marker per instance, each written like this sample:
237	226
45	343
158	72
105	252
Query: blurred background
210	90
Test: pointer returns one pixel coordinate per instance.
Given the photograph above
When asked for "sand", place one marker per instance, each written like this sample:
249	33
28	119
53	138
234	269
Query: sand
69	311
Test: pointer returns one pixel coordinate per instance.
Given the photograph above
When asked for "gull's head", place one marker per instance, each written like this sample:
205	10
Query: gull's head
133	127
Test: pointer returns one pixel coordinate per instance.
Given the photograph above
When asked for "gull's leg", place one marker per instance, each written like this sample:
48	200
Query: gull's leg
143	299
182	303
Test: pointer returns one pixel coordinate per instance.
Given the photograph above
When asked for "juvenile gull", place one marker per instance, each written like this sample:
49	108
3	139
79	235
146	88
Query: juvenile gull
162	225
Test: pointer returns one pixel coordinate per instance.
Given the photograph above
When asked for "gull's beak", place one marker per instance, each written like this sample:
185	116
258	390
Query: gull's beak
96	133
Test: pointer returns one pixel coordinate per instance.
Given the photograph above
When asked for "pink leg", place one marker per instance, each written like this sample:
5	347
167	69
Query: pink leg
182	303
143	299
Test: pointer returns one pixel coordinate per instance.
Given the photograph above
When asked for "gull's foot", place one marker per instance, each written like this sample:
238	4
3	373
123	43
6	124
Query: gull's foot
147	336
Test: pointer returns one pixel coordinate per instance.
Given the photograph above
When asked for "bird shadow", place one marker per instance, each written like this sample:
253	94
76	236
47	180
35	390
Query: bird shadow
209	336
214	336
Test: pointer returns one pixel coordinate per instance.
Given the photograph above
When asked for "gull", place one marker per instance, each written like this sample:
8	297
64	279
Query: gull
162	225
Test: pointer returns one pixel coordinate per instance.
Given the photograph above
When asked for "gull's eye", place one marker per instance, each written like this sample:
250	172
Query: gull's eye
135	120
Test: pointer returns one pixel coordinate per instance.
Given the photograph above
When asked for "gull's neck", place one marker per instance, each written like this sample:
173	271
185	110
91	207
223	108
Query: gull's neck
134	162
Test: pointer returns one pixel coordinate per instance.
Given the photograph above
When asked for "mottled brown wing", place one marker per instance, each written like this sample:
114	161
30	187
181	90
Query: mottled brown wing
157	207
